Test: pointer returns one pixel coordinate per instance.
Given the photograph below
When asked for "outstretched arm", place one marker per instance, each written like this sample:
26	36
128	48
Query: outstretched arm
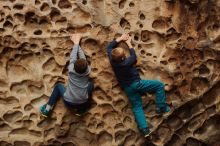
81	53
113	44
73	54
76	39
132	59
110	47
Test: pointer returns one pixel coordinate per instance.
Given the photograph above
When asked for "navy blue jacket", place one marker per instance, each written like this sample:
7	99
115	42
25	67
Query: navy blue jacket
125	72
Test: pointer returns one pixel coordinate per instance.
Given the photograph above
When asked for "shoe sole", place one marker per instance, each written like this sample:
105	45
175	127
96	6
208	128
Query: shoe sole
78	115
149	134
43	115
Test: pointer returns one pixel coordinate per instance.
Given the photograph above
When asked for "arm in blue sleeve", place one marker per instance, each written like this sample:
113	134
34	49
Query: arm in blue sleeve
110	47
132	59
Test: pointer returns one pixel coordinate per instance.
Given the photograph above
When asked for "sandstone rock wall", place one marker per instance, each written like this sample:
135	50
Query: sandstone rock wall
177	42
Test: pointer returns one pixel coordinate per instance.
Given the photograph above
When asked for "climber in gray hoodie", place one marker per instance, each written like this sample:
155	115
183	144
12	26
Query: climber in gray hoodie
77	93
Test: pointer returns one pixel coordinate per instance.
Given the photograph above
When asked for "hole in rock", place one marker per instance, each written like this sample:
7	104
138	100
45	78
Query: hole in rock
164	62
131	4
84	2
203	70
145	35
18	6
30	17
54	2
203	85
124	23
148	54
54	14
7	7
38	32
8	24
141	25
136	38
142	52
90	44
44	7
61	21
68	144
94	70
119	135
4	143
194	142
142	16
28	107
19	16
44	21
12	116
105	138
21	143
37	2
174	141
159	24
64	4
210	129
122	4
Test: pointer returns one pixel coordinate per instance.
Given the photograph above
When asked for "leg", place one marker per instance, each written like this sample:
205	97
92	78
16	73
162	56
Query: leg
137	108
156	86
58	91
138	111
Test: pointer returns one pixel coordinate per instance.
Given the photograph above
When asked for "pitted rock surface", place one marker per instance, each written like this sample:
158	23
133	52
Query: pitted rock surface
176	41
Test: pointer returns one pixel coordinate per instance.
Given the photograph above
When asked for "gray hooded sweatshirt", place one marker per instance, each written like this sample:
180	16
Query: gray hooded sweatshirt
76	90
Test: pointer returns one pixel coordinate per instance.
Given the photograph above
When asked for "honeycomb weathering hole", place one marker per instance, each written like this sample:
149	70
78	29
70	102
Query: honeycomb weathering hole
64	4
176	42
159	24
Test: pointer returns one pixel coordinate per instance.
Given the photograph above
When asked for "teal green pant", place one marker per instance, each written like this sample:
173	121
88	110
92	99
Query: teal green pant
134	93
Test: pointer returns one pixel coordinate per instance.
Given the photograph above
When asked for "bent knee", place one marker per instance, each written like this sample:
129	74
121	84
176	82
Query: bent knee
57	85
160	84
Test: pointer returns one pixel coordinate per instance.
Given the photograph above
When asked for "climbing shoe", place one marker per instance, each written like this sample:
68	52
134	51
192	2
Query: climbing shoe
162	110
44	111
145	132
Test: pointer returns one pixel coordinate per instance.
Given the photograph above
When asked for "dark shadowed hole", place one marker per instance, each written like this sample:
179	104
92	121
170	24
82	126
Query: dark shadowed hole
38	32
84	2
44	7
131	4
18	6
19	16
142	17
122	4
54	13
141	25
8	24
124	23
136	38
37	2
43	21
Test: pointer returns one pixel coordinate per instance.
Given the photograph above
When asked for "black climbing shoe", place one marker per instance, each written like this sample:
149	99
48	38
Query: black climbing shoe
146	132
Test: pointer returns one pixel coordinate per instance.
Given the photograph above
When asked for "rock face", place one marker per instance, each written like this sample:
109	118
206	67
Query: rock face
177	42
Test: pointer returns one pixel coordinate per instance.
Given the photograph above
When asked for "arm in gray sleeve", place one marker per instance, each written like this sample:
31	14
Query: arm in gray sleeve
81	53
73	55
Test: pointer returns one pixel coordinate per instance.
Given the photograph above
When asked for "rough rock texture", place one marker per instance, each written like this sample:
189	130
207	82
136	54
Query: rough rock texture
177	42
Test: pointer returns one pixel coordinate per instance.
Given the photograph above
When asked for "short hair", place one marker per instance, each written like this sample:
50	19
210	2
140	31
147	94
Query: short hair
118	54
80	66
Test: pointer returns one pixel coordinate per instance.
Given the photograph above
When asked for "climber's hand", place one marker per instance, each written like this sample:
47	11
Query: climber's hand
128	42
123	37
76	38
